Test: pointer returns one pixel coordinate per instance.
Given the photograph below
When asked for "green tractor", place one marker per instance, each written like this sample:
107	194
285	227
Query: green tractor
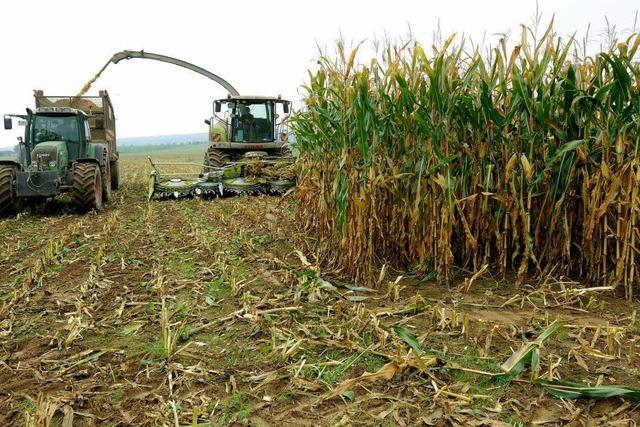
68	147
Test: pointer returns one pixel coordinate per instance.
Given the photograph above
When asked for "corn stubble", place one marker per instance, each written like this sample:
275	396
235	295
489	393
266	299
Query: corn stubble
524	159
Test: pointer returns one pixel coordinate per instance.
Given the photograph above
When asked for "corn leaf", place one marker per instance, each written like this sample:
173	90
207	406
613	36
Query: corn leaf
570	390
409	338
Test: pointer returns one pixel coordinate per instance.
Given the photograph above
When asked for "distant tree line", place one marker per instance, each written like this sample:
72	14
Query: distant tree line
164	143
179	143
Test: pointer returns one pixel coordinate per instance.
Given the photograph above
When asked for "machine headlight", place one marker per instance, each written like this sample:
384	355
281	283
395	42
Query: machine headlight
52	164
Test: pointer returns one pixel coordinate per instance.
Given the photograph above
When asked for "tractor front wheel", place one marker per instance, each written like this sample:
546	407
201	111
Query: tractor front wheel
9	203
214	158
87	186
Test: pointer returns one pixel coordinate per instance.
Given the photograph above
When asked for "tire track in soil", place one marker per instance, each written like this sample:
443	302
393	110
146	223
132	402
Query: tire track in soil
34	315
57	267
64	223
34	349
151	246
267	280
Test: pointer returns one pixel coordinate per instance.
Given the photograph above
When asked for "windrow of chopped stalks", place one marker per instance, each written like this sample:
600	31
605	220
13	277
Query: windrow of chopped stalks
524	159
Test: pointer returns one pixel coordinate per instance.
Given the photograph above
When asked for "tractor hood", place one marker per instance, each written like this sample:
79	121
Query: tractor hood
49	155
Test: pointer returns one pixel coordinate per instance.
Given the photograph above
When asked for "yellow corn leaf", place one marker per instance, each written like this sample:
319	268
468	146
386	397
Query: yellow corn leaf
611	194
604	168
590	351
634	47
526	167
440	180
580	361
303	259
510	165
619	143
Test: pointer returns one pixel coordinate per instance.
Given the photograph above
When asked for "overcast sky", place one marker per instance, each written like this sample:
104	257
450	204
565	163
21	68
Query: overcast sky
261	47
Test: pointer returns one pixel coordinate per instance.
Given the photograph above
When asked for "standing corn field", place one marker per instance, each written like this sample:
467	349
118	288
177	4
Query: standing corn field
526	160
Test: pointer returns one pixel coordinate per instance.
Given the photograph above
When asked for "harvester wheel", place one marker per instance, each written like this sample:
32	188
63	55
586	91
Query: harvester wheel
214	158
285	151
106	183
87	186
9	203
115	175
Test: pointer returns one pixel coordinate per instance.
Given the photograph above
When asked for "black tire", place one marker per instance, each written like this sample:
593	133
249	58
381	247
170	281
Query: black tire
285	151
106	183
9	203
214	158
115	175
87	186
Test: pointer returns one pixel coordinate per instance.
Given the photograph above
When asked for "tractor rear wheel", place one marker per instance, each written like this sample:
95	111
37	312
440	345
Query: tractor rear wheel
214	158
115	175
87	186
9	203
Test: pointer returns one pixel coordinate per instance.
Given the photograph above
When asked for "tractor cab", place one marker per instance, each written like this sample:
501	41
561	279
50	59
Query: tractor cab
54	137
58	136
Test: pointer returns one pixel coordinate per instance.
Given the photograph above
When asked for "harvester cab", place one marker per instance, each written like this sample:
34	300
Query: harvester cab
59	153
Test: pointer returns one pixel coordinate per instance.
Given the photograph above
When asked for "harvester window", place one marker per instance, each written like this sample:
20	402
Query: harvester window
253	122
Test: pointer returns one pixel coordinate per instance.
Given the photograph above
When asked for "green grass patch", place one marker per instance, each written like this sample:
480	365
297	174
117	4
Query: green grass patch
350	364
117	396
219	288
182	264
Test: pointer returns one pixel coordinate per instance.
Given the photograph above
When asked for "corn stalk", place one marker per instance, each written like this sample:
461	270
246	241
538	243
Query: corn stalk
523	160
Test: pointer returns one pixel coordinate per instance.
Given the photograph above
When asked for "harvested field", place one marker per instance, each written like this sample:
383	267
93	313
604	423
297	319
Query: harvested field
196	312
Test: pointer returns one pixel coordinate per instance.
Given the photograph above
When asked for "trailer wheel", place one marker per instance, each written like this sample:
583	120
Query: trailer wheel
214	158
87	186
115	175
9	203
106	182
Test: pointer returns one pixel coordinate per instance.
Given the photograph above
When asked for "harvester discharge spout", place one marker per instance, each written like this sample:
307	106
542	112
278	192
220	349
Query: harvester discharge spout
141	54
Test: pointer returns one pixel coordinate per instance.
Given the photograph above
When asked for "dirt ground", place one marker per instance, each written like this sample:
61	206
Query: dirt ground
213	312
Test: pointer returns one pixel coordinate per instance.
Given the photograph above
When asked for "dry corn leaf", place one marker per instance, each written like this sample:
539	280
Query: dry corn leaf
385	373
526	167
